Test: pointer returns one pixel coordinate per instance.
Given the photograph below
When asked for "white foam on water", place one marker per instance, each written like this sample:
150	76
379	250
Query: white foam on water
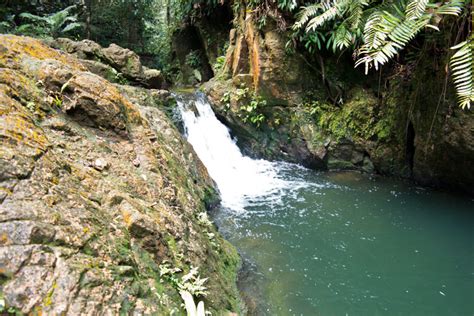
240	179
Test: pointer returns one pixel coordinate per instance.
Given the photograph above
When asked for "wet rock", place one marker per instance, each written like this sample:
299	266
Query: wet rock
367	165
85	49
91	104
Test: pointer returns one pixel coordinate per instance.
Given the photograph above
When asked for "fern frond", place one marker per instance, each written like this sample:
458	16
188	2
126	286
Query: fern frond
32	17
452	7
319	20
341	38
415	9
386	36
386	33
462	67
72	26
305	14
356	12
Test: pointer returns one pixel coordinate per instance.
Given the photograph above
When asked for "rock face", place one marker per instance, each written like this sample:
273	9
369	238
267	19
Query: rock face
114	63
326	115
102	203
258	56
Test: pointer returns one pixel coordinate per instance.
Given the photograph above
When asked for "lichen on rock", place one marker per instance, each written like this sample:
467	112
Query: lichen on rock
84	228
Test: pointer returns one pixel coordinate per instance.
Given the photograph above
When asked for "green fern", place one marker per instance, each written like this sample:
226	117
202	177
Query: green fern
462	67
416	9
386	33
306	14
343	34
385	29
329	14
53	25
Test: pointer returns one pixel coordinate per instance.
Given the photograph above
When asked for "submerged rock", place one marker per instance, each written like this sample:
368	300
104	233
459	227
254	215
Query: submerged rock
84	229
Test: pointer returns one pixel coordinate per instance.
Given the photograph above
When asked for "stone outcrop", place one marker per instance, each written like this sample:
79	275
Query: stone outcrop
102	202
258	59
116	64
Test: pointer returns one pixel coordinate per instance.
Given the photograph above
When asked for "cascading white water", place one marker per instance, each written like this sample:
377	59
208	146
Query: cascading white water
239	178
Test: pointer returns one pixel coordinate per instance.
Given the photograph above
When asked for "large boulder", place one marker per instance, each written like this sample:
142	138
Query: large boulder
152	78
123	59
114	63
101	199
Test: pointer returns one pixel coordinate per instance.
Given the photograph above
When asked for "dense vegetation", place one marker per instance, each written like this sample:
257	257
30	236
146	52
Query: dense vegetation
375	31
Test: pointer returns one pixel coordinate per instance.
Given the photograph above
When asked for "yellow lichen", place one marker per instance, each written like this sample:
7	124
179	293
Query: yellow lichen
14	48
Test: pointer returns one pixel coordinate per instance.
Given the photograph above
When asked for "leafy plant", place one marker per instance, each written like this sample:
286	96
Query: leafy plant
193	283
190	282
346	16
252	111
462	66
197	75
219	64
57	101
378	31
193	59
53	25
388	31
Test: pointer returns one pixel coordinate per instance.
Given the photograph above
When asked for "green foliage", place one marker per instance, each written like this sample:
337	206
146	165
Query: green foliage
226	99
379	30
53	25
251	105
193	283
57	101
462	67
193	59
190	282
388	31
197	75
252	111
219	64
336	23
357	118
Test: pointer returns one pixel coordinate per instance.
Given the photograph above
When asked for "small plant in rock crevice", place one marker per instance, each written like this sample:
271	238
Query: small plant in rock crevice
190	282
251	108
252	112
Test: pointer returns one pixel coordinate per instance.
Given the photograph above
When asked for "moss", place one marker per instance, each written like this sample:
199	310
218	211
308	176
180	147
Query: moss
211	197
358	118
338	164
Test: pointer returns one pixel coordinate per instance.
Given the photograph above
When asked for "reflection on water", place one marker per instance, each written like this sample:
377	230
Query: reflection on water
336	243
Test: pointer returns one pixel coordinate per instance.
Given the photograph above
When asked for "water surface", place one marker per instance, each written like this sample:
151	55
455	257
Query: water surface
336	243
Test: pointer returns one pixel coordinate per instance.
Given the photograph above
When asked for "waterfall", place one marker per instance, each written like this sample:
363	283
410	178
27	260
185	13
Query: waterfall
239	179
